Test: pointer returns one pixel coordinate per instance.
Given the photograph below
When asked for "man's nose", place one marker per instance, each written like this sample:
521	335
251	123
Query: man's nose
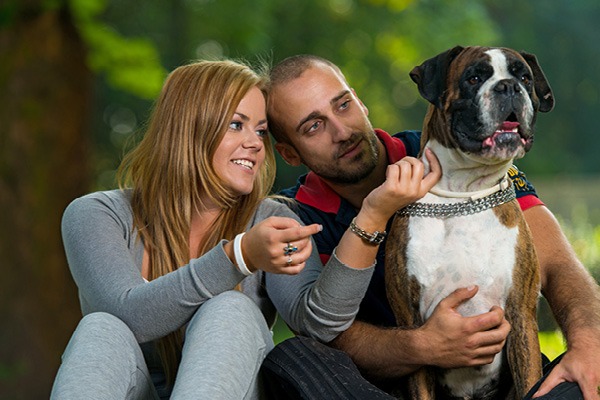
340	131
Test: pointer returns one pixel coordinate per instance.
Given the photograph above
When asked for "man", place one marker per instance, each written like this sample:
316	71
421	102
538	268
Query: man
319	121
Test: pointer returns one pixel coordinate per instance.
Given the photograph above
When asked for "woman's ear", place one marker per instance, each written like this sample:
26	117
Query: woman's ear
289	154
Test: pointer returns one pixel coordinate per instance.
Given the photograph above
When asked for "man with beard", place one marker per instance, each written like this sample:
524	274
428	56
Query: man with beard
319	121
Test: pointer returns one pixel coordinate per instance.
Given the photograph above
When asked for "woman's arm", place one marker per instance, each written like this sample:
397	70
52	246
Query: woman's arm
104	256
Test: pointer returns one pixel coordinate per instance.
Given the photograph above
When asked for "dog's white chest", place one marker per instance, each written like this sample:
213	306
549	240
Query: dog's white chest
457	252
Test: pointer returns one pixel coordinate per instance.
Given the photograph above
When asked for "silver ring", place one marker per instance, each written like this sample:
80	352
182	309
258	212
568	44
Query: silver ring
289	249
289	261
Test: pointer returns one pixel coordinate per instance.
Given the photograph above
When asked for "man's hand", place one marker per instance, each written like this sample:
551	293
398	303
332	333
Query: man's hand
579	364
453	341
405	183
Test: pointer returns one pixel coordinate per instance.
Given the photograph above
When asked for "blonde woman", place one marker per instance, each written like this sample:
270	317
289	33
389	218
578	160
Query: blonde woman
170	268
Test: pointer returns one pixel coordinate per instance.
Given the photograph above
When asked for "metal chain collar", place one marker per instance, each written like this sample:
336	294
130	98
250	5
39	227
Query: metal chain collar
445	210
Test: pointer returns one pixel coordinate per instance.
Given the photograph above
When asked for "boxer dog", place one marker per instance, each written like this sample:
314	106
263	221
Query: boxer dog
469	230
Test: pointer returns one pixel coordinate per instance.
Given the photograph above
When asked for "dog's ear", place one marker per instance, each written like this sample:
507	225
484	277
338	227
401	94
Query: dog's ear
430	76
542	87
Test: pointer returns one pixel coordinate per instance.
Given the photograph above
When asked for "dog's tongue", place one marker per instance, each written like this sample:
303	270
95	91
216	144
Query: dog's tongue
508	126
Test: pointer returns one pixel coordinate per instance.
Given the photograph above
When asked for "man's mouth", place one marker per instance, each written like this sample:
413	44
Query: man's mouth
349	150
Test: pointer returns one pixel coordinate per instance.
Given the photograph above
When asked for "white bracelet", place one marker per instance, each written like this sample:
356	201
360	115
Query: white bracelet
239	258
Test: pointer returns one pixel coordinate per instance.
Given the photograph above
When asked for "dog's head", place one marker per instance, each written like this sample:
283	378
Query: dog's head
484	100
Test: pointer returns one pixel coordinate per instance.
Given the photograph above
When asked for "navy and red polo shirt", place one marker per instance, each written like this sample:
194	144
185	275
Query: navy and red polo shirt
317	203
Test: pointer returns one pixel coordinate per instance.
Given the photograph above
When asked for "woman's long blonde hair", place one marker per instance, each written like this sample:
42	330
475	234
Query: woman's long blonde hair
171	170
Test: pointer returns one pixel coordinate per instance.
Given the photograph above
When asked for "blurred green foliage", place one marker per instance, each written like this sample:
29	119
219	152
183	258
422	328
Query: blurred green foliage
375	42
129	64
584	237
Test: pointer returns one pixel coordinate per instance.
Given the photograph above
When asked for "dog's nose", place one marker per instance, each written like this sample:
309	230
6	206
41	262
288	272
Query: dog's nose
507	86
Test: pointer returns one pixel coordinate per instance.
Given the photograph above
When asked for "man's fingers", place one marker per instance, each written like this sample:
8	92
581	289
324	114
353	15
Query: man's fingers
408	172
493	319
549	383
459	296
435	167
429	181
492	340
435	170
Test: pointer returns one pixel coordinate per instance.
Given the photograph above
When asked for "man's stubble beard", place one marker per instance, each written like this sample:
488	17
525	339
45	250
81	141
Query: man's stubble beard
336	174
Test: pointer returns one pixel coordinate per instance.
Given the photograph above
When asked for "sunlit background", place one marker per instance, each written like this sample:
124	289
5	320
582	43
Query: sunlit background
77	79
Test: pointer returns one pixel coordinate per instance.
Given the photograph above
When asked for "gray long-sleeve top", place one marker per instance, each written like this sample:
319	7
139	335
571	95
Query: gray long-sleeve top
104	254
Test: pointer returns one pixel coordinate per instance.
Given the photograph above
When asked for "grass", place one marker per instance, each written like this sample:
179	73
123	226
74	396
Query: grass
552	344
281	331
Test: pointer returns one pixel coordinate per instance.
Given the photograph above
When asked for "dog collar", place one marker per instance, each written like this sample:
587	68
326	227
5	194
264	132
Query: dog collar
468	207
502	185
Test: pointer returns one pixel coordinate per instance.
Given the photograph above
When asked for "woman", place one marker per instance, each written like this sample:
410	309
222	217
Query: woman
157	263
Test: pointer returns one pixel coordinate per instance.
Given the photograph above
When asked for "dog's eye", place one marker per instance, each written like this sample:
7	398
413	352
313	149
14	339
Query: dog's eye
474	80
526	79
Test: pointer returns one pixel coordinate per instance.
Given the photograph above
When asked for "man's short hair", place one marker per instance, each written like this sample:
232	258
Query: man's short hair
292	67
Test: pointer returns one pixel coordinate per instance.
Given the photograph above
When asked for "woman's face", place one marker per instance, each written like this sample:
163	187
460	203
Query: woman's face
241	152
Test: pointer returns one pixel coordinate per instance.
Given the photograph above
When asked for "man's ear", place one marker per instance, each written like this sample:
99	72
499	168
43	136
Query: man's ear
360	102
289	154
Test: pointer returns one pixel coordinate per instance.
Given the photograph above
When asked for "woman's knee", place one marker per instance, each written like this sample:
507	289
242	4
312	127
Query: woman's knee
100	330
231	305
104	324
231	313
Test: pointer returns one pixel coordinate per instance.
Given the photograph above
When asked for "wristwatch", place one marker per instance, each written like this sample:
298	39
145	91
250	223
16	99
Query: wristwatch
374	238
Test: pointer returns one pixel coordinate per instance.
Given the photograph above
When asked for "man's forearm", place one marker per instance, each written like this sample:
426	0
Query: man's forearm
380	352
575	302
571	292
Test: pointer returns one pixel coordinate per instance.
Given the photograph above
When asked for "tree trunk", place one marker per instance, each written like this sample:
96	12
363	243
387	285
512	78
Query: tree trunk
44	106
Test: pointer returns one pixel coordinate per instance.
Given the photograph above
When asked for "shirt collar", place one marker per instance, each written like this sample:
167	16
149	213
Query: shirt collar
315	192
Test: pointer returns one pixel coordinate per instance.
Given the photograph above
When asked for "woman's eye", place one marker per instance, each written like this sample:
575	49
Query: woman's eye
235	125
262	133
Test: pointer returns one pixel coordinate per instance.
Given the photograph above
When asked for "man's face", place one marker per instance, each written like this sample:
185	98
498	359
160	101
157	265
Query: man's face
326	124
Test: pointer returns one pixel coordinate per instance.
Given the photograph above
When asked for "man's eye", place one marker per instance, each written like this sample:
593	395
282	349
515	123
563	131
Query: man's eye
314	126
235	125
345	105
